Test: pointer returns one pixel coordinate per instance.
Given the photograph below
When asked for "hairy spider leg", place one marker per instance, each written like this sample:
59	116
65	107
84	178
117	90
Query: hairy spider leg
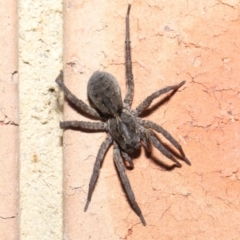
155	142
74	100
146	103
166	134
96	126
128	65
125	182
100	156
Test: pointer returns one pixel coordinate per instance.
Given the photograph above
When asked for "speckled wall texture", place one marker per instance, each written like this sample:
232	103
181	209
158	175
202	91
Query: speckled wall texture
40	46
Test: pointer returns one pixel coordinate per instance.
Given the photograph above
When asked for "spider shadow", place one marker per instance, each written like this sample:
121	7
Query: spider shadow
161	163
61	141
133	155
148	154
155	106
155	160
84	130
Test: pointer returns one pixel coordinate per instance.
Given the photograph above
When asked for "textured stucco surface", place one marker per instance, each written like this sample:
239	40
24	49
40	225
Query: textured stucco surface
40	45
193	40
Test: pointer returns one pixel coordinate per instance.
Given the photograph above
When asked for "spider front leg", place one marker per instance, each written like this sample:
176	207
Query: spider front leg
166	134
96	126
146	103
125	182
100	156
128	65
74	100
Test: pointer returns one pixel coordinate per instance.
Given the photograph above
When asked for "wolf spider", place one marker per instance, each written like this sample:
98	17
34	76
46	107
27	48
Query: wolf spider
125	130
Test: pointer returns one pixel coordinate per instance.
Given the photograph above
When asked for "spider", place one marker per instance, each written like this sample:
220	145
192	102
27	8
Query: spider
125	130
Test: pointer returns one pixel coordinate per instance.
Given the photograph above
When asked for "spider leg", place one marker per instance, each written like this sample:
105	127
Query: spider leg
166	134
127	158
103	149
74	100
162	149
145	138
146	103
125	182
128	64
98	126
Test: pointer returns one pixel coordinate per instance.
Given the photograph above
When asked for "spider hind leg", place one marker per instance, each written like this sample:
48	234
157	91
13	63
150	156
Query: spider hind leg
125	182
158	145
100	156
149	124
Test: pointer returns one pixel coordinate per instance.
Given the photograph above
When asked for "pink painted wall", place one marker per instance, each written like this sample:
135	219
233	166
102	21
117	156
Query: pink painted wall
193	40
9	157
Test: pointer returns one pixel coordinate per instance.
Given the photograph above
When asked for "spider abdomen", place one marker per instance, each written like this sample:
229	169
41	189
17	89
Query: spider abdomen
105	93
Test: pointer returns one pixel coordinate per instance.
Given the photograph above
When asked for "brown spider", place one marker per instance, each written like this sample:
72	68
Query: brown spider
126	131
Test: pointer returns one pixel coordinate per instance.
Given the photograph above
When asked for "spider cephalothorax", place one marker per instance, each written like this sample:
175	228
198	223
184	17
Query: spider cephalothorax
126	131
